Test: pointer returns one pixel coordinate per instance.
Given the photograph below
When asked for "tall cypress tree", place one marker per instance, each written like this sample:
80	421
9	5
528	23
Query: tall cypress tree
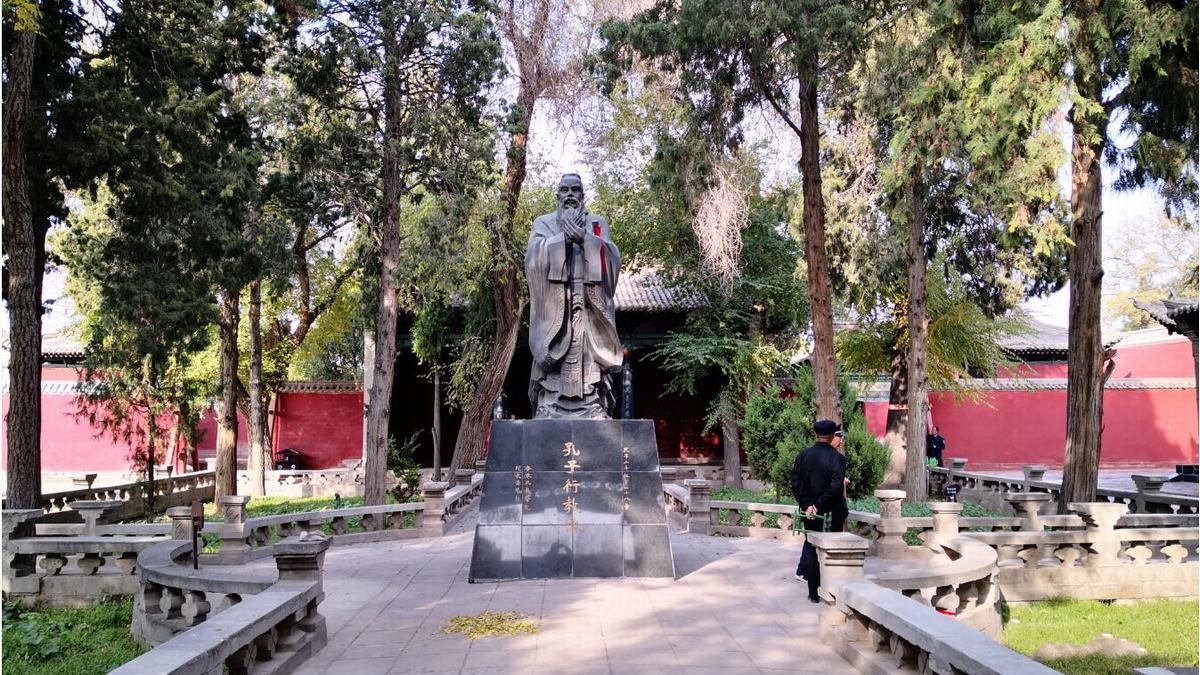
41	69
180	158
733	56
1134	62
419	72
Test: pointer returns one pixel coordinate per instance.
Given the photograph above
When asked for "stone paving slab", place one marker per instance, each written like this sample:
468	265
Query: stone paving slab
733	608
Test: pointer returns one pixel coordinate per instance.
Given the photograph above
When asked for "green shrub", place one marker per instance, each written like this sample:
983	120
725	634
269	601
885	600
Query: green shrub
400	461
765	425
866	458
785	459
777	428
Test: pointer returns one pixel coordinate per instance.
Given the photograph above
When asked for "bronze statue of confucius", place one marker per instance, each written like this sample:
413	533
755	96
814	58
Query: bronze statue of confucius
572	265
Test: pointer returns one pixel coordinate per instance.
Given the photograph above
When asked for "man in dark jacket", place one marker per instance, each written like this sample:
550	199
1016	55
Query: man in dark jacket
817	484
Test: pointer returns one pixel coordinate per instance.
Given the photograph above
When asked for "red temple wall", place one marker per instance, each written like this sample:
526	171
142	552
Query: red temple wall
325	427
1011	428
1163	359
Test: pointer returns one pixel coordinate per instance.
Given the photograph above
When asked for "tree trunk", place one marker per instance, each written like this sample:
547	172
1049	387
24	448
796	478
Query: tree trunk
151	428
380	408
368	368
437	423
732	436
21	244
227	427
896	435
1081	458
819	294
916	479
506	294
258	461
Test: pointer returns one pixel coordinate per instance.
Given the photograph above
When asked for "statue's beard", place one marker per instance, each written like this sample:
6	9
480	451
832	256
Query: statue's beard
570	210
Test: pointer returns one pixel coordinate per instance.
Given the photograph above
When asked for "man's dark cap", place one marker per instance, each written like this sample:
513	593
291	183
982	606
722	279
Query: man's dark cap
826	427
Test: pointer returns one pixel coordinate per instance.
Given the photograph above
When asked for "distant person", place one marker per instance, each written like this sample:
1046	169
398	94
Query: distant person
935	445
818	483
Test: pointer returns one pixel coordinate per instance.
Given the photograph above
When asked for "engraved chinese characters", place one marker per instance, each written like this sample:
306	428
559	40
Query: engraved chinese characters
594	506
571	487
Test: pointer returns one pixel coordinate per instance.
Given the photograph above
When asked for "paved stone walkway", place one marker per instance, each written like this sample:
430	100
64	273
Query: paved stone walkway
734	608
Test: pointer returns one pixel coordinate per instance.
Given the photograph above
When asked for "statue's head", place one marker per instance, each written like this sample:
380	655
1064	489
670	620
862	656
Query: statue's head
570	192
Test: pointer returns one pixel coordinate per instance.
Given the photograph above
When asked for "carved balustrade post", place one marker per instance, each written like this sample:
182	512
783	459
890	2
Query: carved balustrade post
1028	506
1147	485
841	556
480	465
434	495
234	548
890	542
181	522
945	525
957	464
91	511
301	557
19	569
699	494
1103	542
463	476
1033	474
669	474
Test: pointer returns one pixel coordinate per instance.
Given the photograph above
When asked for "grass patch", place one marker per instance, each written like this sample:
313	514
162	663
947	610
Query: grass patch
46	641
1168	629
490	624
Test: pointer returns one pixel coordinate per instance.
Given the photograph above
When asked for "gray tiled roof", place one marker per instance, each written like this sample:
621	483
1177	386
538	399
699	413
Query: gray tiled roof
646	291
1043	338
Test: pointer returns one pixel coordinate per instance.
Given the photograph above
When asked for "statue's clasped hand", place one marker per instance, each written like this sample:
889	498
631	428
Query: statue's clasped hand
574	231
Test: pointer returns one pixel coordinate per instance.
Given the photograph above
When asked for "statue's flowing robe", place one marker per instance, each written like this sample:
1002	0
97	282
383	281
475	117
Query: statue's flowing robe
566	279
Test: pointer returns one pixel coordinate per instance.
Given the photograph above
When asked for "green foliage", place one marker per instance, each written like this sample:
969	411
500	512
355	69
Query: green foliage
764	426
866	458
1167	628
964	342
777	427
47	641
401	462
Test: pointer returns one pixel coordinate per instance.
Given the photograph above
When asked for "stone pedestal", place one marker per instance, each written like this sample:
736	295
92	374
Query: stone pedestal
699	494
91	512
1149	484
945	525
1029	505
571	498
891	528
1034	473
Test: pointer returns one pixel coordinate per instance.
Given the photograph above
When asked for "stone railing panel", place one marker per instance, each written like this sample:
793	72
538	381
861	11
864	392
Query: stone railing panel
748	519
881	632
177	490
991	491
206	621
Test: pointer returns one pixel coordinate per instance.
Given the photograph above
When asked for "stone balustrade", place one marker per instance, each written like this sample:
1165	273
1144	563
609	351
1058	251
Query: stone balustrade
676	497
75	568
746	519
991	491
879	630
304	483
131	497
244	539
459	497
1100	561
240	620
